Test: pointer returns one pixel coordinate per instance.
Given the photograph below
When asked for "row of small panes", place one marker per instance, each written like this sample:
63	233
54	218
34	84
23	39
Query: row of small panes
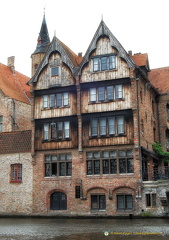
109	154
60	157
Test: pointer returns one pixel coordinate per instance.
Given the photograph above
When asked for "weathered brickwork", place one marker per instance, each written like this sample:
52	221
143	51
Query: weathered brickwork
16	115
16	198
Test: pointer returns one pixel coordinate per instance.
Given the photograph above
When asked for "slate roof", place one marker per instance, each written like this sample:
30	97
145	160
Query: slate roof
15	142
43	38
14	85
159	78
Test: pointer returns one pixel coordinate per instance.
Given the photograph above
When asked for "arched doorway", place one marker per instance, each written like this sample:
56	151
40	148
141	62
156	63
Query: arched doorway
58	201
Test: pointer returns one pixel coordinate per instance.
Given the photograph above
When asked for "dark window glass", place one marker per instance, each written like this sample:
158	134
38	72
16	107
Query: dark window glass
101	94
124	202
98	202
58	201
110	93
104	63
52	100
59	100
54	71
94	127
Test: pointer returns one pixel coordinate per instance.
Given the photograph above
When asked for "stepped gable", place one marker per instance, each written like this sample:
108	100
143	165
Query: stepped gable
13	85
15	142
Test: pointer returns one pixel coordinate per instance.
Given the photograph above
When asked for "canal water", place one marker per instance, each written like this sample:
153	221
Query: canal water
83	229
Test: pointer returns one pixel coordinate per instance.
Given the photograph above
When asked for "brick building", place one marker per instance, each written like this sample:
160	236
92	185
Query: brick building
95	119
15	142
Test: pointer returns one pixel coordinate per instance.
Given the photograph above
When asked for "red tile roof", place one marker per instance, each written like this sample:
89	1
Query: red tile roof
14	85
160	79
140	59
15	142
76	60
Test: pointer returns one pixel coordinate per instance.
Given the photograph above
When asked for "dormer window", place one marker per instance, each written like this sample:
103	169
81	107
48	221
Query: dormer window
104	63
54	71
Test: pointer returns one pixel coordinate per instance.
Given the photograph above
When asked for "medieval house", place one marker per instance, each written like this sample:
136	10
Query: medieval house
95	119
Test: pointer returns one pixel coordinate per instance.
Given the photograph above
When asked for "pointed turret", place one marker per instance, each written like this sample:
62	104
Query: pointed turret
43	38
43	42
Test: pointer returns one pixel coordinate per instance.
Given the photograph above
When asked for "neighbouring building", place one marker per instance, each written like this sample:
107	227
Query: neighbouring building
95	119
16	176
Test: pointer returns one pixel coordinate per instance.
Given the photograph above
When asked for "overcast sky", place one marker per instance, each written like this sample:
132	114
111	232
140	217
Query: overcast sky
139	25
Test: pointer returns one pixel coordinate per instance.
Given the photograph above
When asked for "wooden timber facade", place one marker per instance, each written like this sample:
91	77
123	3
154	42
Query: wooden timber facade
94	119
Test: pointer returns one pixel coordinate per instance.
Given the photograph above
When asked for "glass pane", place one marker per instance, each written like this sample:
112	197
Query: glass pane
93	95
68	169
66	129
113	153
54	169
59	100
120	202
94	202
46	131
102	122
89	155
130	165
129	153
97	167
104	63
96	155
112	62
47	158
45	101
62	169
122	153
62	157
54	158
65	99
89	167
153	200
69	157
54	71
19	172
120	125
105	166
113	166
122	165
53	130
102	202
101	94
111	125
94	127
52	100
96	64
47	169
129	202
110	93
105	154
118	90
59	129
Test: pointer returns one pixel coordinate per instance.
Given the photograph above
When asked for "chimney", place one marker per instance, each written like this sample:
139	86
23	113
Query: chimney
11	61
130	52
80	54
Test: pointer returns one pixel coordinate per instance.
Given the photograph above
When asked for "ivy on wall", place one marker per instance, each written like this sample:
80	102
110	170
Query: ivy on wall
158	149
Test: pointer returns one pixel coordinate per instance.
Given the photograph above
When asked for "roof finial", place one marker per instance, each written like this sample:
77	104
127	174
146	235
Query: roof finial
54	33
102	17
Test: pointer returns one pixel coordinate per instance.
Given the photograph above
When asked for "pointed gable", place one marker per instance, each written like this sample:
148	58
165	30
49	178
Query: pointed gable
68	57
103	31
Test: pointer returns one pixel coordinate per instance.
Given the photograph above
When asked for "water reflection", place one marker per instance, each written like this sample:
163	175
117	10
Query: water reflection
83	229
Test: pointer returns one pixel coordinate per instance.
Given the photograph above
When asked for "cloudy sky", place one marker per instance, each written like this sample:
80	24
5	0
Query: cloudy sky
139	25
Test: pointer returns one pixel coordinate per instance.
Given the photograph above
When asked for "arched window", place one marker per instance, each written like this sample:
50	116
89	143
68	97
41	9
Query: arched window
58	201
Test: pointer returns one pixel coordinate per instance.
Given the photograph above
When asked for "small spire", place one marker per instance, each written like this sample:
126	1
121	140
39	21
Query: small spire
102	17
54	33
